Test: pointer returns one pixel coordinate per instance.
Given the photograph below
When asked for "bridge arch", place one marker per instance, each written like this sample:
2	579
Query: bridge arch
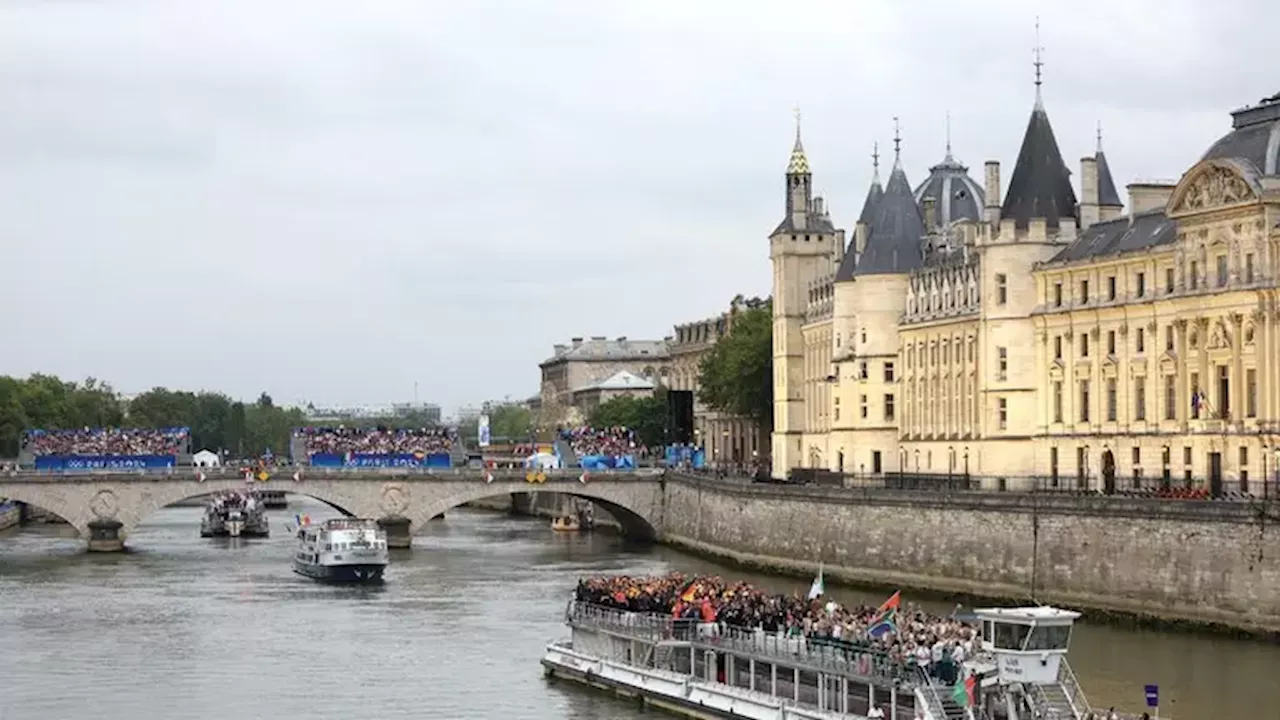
165	494
67	506
635	522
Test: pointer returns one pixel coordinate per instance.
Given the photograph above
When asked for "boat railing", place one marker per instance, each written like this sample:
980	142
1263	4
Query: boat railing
621	621
932	700
1071	686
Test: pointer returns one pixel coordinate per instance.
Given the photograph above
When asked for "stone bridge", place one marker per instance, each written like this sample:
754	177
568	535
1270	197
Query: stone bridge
105	507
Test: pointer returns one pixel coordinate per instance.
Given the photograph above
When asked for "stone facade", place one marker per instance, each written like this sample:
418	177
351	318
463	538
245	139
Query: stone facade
585	362
1088	552
728	440
1044	339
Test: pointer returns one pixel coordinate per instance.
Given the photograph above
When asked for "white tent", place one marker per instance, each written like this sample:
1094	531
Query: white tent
542	461
206	458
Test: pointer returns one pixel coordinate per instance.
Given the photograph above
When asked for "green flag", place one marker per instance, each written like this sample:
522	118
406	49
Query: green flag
962	693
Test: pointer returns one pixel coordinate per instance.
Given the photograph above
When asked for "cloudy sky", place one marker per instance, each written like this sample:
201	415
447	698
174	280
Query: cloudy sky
330	200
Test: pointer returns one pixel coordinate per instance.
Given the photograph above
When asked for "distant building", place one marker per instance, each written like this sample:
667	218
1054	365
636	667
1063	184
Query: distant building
619	385
583	363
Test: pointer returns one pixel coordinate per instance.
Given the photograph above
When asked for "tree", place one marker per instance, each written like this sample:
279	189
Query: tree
510	422
647	416
736	375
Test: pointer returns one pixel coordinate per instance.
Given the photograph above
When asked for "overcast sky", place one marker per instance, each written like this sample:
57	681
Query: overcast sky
330	200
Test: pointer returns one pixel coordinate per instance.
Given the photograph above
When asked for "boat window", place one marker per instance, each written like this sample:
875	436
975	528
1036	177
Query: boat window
1010	636
1049	637
328	546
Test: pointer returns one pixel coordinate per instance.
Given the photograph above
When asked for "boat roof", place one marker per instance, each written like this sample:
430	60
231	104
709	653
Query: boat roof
346	523
1027	614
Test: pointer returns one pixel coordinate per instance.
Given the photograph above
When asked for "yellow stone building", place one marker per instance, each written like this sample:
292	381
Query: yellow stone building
1047	337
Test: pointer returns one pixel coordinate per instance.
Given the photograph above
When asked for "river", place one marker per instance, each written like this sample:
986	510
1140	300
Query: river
184	627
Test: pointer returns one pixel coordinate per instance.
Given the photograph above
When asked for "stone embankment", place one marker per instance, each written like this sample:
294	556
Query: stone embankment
543	505
1200	562
10	514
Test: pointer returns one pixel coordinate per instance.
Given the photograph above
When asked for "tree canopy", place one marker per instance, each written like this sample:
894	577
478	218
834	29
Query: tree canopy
736	375
511	422
217	422
647	416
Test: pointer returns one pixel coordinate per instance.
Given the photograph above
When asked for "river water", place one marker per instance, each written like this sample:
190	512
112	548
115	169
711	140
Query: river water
184	627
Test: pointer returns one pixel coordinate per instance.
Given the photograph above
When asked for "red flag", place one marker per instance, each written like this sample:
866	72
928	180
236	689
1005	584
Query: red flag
892	603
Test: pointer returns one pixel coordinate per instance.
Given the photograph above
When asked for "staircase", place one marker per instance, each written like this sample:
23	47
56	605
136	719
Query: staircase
936	697
1055	704
565	451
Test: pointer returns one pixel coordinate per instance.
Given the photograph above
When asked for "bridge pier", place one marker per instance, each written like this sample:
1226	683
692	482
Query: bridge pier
104	535
399	534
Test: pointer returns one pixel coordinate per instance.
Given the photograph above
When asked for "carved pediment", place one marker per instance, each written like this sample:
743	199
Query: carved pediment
1219	337
1167	360
1211	187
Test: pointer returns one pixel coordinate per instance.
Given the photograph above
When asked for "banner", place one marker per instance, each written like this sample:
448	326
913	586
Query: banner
679	454
482	428
104	462
607	462
382	460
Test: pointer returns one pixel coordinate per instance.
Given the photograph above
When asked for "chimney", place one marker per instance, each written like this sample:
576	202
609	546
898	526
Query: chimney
991	212
1144	196
817	205
622	338
930	213
577	341
1089	213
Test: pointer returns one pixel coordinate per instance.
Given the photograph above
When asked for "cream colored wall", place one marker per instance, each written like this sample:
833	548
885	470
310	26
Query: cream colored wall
940	384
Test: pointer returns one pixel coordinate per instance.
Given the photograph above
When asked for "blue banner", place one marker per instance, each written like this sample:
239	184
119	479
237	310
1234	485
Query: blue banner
382	460
678	454
104	462
607	462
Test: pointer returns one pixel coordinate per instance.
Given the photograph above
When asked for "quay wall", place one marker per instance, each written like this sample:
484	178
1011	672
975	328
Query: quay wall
543	505
1200	562
10	514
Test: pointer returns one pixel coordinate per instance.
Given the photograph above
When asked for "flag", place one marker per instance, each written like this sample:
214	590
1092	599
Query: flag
962	693
582	478
819	586
488	476
884	627
297	476
891	604
690	592
200	476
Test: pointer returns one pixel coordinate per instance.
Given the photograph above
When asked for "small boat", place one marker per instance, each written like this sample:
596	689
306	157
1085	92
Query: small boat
235	514
567	523
342	550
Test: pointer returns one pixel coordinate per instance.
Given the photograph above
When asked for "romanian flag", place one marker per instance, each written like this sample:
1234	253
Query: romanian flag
963	691
690	592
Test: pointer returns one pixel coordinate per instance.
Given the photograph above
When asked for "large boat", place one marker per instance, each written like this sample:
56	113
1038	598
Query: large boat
1019	670
235	514
349	550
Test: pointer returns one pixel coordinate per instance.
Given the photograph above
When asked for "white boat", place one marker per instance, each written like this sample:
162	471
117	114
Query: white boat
346	550
712	670
235	514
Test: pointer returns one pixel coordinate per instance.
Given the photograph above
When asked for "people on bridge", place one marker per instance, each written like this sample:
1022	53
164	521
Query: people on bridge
107	441
377	440
907	635
609	442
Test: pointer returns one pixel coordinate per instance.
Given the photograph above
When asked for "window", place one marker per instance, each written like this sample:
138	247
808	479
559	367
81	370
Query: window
888	407
862	406
1248	268
836	411
1140	398
1140	340
1168	338
1084	292
1084	401
1057	347
1111	288
1170	397
1186	456
1195	395
1251	393
1002	412
1084	344
1168	281
1002	372
862	370
1137	456
1002	288
1193	277
1057	294
1057	401
1140	283
1111	342
1244	469
888	372
1053	466
1111	400
1224	392
862	336
972	349
1222	270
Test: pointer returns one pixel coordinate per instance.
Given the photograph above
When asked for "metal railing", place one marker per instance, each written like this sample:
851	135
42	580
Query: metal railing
931	697
1071	687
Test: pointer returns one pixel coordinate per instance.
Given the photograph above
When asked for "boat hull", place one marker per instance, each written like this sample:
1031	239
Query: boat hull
342	574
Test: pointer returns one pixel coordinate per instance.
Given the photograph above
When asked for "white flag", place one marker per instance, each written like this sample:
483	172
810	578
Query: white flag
297	476
582	478
200	476
819	587
488	476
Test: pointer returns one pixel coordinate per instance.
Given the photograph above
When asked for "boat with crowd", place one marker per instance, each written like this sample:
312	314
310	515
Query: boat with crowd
341	550
731	654
235	514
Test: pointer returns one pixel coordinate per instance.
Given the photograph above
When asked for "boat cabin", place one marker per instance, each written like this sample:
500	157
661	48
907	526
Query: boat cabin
1029	643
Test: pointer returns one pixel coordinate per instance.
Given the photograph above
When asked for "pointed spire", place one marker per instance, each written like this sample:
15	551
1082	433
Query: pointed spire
949	135
1099	149
799	164
1108	196
875	192
897	144
875	163
1038	50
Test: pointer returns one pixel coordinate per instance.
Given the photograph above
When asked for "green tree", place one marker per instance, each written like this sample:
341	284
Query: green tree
647	416
510	422
736	375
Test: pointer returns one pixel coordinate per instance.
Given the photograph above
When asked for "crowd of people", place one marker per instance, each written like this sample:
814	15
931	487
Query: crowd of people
108	441
906	634
377	440
612	441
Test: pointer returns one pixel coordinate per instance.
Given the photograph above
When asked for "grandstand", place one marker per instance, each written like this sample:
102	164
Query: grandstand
343	446
93	448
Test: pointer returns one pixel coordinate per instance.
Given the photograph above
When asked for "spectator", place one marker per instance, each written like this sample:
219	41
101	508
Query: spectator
107	441
377	441
610	442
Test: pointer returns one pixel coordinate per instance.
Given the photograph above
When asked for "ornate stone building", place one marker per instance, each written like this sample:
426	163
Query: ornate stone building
727	439
1045	335
585	363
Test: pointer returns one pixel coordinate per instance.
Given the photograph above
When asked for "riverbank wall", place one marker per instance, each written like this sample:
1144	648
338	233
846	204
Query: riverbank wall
544	505
1207	563
10	514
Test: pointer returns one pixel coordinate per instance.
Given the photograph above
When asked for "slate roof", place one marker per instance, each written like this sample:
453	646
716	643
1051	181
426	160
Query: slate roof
814	224
1148	230
1040	186
958	196
874	193
622	380
1107	194
848	264
896	233
605	349
1255	136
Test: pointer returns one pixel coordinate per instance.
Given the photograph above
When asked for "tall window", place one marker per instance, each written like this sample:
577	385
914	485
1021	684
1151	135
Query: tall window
1141	284
1140	398
1002	406
1111	400
862	406
1111	288
1111	342
888	372
1084	292
1084	344
1168	338
1224	392
1170	397
1002	372
1084	401
1057	347
1140	340
1195	396
1248	268
1168	281
1002	288
1251	393
1193	276
1057	294
1222	271
1057	401
888	407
